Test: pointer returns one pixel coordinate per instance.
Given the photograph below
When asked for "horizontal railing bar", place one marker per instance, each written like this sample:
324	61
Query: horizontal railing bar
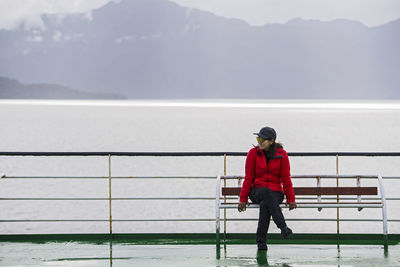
312	206
53	177
175	198
137	154
332	198
190	177
198	220
116	220
119	198
344	177
326	177
104	177
164	220
77	220
319	220
343	198
163	177
188	154
314	176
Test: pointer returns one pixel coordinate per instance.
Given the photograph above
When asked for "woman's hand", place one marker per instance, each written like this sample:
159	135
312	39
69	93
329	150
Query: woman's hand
242	206
292	205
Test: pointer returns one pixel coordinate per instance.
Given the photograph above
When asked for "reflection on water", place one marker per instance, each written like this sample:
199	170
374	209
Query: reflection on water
307	255
262	258
110	252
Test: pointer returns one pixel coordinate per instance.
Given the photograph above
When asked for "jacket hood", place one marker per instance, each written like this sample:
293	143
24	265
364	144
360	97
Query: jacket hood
279	150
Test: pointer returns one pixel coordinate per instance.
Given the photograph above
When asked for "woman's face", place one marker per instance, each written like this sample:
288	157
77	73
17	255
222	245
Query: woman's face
264	144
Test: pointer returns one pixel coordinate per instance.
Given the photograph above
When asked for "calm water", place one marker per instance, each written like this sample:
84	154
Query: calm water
180	126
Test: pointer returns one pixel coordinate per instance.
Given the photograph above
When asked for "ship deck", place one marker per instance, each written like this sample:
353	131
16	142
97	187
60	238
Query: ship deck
194	250
126	254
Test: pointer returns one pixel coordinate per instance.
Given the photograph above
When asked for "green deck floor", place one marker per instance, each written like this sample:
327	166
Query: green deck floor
196	250
127	254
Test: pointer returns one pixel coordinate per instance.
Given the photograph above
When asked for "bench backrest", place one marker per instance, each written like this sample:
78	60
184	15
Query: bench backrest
317	190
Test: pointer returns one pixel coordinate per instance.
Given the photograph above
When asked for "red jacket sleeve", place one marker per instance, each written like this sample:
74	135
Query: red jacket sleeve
250	174
285	178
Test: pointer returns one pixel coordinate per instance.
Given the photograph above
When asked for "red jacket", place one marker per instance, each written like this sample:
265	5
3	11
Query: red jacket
274	175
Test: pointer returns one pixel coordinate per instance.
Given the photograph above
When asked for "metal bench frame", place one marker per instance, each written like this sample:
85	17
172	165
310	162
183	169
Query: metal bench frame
318	204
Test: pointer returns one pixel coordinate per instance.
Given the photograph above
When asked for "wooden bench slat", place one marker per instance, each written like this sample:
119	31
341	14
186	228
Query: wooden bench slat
335	191
309	191
231	191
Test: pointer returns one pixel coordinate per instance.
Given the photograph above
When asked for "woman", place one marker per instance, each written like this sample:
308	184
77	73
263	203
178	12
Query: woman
267	180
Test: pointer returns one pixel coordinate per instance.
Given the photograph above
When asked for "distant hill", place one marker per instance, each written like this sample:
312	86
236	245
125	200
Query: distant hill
13	89
158	49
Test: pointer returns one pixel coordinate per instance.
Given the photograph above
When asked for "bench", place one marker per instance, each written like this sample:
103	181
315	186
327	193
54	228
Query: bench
228	197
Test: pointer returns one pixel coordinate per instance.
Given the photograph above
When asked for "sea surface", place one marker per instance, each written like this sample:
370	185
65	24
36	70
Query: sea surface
182	126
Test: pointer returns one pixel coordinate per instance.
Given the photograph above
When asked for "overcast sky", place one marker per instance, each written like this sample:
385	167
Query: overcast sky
254	12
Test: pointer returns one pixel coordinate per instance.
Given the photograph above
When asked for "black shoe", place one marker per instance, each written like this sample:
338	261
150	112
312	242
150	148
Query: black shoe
262	246
286	232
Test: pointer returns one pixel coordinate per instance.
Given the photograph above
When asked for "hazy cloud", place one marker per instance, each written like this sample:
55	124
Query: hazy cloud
125	38
26	51
15	12
35	37
191	27
57	36
132	38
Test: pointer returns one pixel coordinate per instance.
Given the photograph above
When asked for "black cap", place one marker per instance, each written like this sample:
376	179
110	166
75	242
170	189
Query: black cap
267	133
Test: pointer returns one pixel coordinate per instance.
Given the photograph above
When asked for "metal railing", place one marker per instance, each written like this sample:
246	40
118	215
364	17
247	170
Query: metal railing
171	154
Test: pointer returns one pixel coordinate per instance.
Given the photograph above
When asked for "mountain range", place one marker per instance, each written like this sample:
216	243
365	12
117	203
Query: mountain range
13	89
158	49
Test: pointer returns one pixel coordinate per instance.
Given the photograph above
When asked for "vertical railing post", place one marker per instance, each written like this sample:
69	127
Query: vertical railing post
217	214
337	200
109	203
109	192
384	213
319	186
225	202
359	196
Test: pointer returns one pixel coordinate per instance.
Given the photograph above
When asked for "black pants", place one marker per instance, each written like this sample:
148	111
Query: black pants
269	206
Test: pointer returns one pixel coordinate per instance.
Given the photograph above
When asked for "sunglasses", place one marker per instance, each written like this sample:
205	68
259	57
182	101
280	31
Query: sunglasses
260	140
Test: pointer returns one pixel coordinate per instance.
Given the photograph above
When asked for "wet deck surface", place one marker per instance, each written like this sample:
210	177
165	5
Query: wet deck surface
86	254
